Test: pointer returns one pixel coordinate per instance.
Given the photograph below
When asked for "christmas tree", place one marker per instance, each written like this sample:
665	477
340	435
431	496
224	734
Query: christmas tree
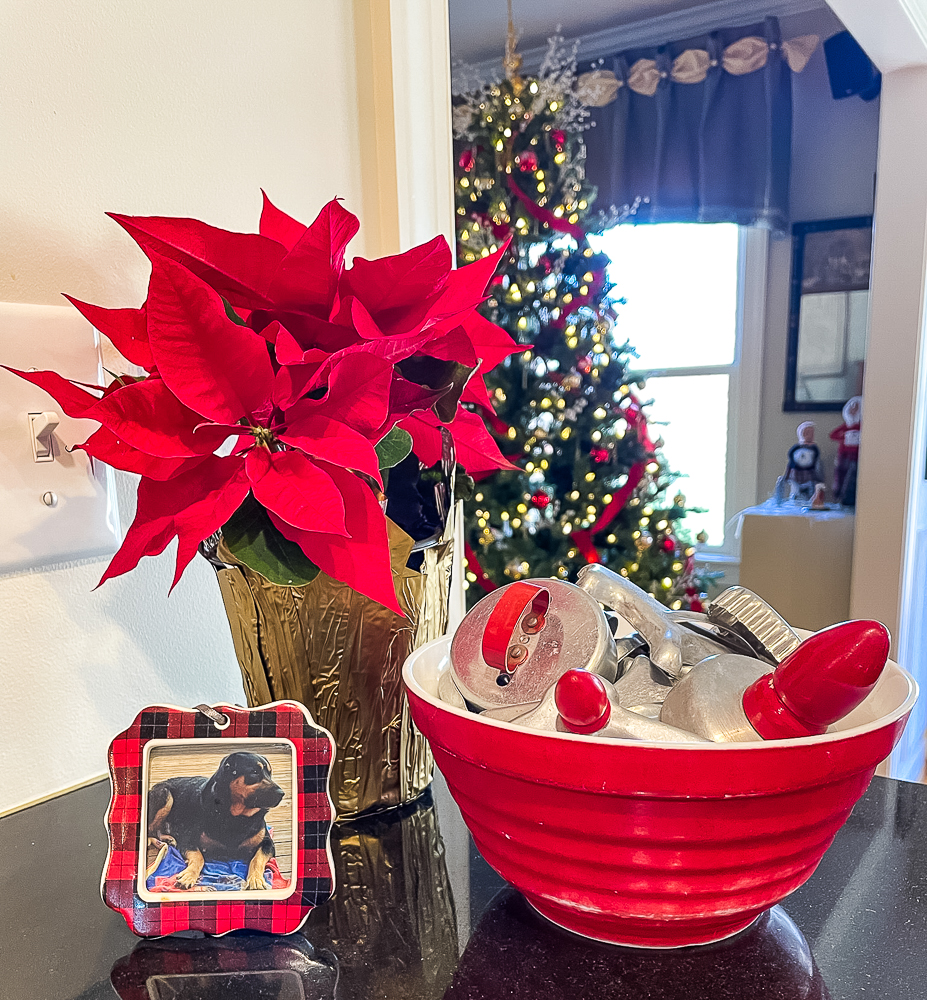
594	485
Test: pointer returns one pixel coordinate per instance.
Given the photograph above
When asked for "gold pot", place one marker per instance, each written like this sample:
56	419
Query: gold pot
341	655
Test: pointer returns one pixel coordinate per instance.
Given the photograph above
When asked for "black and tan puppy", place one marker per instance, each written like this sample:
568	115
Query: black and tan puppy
221	818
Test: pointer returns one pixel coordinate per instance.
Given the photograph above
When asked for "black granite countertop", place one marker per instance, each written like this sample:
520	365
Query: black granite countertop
419	915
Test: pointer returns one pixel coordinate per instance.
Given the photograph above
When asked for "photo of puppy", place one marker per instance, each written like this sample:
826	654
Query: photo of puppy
211	831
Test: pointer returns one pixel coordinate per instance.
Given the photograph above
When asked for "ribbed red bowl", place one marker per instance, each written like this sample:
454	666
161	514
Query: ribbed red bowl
653	845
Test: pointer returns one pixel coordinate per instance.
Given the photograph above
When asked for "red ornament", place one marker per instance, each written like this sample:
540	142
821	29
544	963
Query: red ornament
584	365
696	605
540	499
527	161
558	139
669	544
599	455
467	160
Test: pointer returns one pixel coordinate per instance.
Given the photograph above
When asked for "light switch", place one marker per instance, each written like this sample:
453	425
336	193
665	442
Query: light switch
42	427
55	505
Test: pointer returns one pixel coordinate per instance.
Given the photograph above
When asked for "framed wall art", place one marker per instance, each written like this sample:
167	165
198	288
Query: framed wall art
828	313
219	819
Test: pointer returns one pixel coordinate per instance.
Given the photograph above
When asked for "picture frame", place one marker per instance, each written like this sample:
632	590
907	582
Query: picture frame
828	313
219	819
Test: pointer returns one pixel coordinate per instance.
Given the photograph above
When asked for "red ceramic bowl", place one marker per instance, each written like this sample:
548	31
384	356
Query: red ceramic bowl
652	845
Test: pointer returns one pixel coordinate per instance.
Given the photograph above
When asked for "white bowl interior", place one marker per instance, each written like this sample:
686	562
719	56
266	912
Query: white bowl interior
892	697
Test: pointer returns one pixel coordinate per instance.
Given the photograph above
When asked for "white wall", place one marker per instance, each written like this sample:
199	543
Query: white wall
834	146
170	108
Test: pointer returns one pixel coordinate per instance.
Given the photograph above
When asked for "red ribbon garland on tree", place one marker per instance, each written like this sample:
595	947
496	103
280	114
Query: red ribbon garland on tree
598	279
474	567
634	415
544	215
636	420
583	539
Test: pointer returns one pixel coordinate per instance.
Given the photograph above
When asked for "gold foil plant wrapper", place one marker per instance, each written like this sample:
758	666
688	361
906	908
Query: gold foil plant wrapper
341	655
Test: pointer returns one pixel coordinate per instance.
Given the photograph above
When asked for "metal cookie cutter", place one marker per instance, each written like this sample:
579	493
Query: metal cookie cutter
740	611
520	638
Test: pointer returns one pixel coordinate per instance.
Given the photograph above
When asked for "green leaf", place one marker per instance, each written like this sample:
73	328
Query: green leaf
251	537
393	448
232	315
464	485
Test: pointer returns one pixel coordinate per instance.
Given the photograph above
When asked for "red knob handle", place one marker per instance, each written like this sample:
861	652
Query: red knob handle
821	681
582	701
500	628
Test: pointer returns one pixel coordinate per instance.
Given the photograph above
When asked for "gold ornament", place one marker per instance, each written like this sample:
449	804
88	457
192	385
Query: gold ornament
702	537
644	541
571	382
679	500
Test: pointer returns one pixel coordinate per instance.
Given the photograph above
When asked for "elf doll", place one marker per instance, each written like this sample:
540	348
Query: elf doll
848	452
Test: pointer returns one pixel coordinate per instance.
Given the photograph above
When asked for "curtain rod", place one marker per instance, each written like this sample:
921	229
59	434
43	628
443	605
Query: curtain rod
675	26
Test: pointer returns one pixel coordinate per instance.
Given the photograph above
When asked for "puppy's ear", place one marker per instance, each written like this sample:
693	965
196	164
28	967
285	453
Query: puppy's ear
217	790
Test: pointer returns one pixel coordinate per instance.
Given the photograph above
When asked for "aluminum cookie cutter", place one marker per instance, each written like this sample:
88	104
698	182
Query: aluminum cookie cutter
664	636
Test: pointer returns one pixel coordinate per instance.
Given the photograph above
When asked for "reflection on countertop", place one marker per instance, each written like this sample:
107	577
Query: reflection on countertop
515	953
411	886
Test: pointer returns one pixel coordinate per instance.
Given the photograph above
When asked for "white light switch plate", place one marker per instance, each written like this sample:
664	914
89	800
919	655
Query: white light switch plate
83	521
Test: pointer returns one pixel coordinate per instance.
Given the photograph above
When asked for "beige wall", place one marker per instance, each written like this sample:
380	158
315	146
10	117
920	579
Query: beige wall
171	108
834	145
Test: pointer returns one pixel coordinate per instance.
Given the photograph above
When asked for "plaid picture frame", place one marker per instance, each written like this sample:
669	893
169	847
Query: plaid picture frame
312	873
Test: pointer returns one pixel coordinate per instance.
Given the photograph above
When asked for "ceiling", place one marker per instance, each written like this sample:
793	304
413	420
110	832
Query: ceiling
478	27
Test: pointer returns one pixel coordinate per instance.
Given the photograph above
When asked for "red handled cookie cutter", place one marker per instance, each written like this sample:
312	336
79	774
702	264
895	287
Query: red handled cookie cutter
519	639
523	606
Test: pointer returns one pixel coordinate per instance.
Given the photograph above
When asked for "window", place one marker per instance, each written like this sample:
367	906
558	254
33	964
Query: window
693	311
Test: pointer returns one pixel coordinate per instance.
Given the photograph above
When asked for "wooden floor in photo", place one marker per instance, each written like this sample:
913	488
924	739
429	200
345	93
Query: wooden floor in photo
187	761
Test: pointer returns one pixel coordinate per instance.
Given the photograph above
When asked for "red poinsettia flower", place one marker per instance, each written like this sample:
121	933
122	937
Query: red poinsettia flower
274	370
292	277
215	381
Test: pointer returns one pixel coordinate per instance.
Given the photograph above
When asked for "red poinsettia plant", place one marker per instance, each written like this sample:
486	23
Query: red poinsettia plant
280	386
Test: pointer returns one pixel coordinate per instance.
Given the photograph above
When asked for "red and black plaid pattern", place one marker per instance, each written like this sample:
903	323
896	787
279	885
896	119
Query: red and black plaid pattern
313	876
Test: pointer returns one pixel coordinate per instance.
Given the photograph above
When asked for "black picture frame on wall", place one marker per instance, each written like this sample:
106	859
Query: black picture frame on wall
828	313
